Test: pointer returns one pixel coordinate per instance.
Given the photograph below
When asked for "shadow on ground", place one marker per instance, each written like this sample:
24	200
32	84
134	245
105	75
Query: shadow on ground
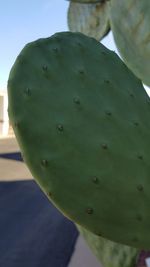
33	233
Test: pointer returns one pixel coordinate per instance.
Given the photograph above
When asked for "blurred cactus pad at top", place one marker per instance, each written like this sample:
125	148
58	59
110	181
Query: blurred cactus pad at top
91	19
130	23
82	120
87	1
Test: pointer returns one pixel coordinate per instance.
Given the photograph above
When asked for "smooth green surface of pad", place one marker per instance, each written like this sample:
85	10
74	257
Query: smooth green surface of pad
82	120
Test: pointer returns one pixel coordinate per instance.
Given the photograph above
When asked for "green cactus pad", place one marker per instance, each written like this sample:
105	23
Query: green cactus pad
109	253
90	19
87	1
82	121
130	23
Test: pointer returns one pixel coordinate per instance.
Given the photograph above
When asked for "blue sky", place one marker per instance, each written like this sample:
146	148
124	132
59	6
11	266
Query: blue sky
23	21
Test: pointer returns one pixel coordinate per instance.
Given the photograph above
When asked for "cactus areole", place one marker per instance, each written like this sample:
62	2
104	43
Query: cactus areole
82	120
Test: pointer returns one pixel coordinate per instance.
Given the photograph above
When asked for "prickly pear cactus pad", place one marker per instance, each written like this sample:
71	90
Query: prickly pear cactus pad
87	1
130	23
90	19
109	253
82	120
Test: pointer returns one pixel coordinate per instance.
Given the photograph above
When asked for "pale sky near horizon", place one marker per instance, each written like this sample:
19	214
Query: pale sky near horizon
22	22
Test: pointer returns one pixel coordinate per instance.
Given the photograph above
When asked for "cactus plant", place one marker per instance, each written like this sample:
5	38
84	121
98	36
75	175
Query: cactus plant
109	253
87	1
82	121
130	23
90	19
